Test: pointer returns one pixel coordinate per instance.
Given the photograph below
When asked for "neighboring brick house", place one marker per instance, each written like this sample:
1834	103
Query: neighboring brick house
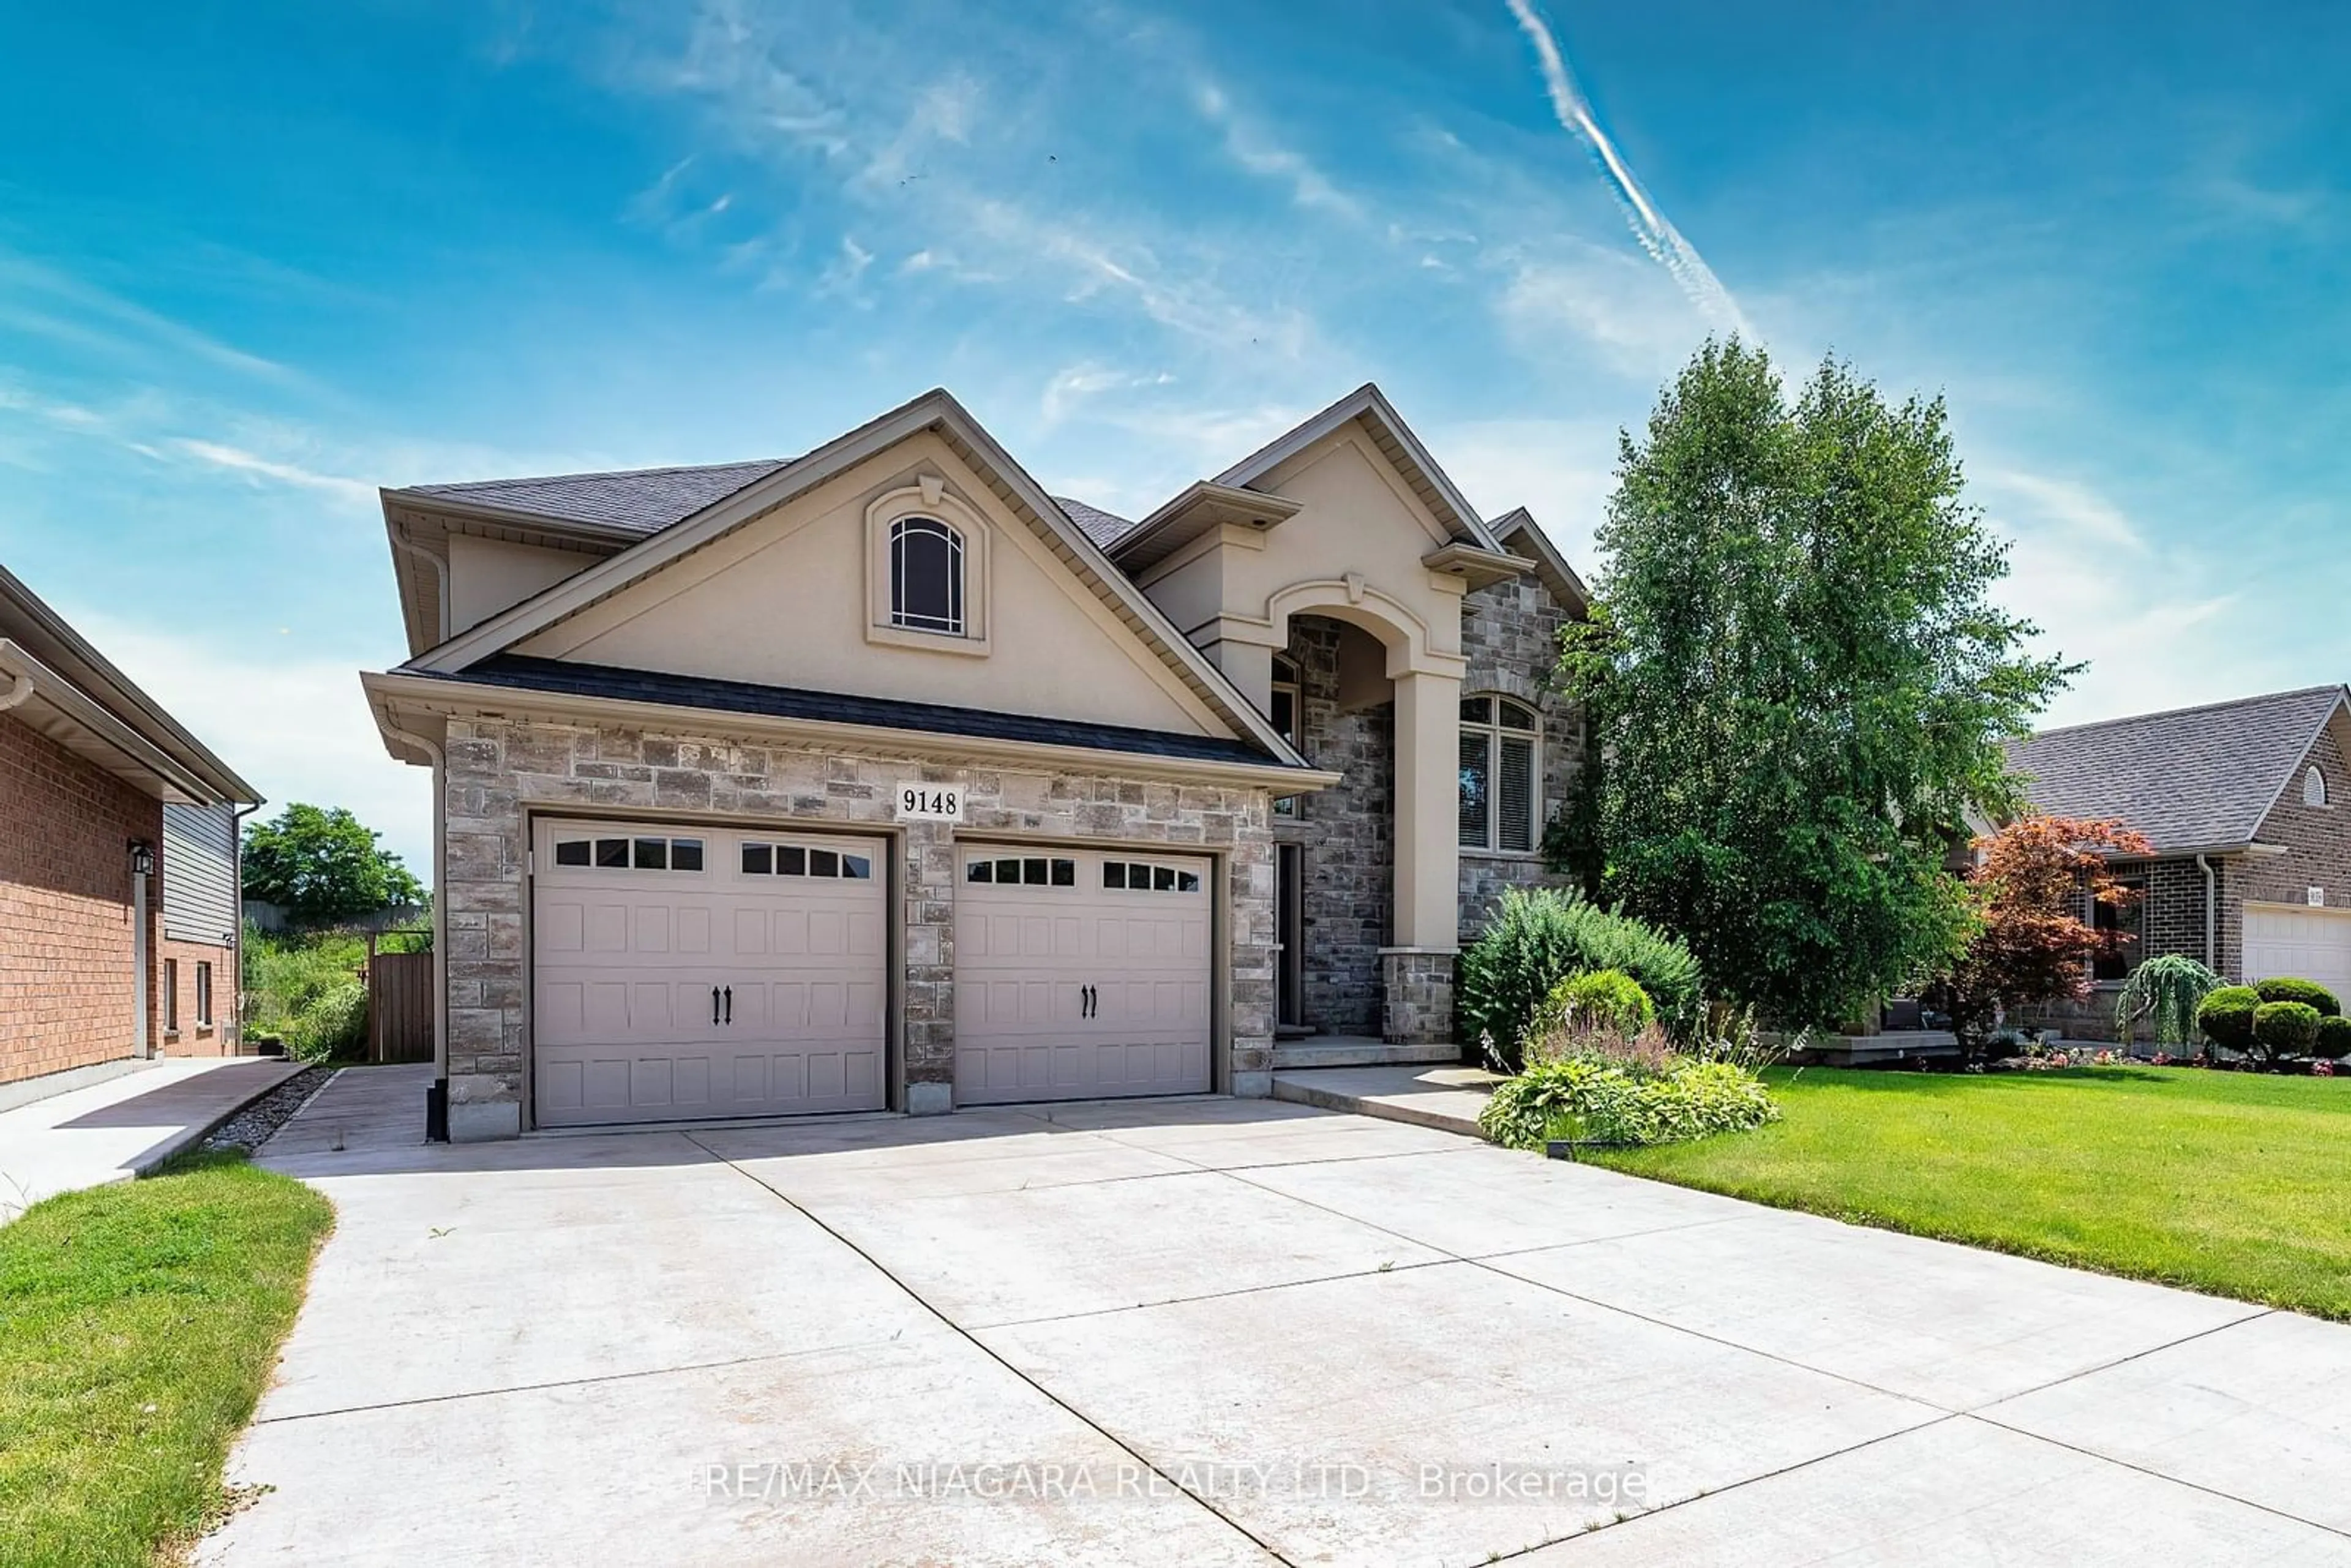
118	866
2245	804
880	777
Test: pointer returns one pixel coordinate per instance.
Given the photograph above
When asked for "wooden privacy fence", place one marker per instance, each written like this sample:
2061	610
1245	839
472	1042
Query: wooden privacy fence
400	1007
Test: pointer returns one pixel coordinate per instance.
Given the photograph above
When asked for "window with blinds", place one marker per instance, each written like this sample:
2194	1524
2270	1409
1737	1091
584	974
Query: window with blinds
1501	797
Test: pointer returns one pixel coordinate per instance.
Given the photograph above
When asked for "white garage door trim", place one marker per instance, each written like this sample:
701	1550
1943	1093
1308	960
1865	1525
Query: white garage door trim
2308	943
692	972
1090	977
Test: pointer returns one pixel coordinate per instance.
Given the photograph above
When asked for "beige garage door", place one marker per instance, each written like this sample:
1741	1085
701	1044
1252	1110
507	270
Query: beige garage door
2309	943
1081	975
685	972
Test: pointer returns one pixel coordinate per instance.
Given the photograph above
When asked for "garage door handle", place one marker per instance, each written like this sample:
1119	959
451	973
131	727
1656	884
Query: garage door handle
714	1004
730	1004
1087	1011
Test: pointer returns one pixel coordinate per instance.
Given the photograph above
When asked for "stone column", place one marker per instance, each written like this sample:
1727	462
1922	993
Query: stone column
1416	968
929	927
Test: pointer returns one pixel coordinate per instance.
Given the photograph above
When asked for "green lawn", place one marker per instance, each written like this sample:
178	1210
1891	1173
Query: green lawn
138	1325
2227	1182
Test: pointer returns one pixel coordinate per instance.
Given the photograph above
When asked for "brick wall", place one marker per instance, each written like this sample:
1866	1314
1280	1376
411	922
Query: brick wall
1509	633
498	771
2318	841
219	1037
66	946
1347	835
2170	919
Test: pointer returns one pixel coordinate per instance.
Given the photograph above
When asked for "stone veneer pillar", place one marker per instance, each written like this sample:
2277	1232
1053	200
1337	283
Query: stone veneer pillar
1415	997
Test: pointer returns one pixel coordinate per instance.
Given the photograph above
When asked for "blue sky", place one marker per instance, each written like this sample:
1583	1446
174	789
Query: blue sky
258	259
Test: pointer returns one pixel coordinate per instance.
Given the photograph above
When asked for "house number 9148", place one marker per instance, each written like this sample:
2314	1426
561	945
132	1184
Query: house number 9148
930	803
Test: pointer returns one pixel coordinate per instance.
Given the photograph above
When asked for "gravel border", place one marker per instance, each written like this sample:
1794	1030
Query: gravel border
258	1122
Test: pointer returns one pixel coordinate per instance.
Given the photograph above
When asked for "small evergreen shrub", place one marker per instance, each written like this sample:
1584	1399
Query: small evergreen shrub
1586	1098
2286	1029
2334	1038
1540	936
1602	998
2287	989
2226	1016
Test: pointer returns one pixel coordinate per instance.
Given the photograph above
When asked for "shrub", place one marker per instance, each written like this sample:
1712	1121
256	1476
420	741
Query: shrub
2226	1016
2285	1029
1602	998
1586	1098
2334	1038
333	1024
1538	938
2310	993
2165	991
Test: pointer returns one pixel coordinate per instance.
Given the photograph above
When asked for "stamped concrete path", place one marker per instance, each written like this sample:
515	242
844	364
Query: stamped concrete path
1218	1331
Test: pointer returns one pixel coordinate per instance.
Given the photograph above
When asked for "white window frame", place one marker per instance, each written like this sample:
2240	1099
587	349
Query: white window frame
927	499
1495	732
2314	788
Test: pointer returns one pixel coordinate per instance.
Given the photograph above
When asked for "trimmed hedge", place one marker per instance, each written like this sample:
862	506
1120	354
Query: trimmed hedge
2226	1016
2286	1029
1540	936
1584	1098
2310	993
2334	1038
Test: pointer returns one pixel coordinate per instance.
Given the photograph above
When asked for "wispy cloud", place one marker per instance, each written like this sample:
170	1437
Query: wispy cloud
44	300
255	468
1655	230
1254	149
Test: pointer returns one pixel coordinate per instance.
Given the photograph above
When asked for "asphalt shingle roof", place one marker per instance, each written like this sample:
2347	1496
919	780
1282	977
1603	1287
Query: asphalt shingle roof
644	500
1105	528
562	676
2189	778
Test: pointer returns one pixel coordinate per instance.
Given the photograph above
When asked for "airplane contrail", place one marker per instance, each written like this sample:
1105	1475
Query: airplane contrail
1652	229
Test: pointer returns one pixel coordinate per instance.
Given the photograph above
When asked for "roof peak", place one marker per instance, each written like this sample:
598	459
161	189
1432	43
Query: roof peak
2336	688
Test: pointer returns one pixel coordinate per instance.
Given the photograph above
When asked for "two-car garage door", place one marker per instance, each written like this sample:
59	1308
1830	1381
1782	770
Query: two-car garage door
683	973
688	972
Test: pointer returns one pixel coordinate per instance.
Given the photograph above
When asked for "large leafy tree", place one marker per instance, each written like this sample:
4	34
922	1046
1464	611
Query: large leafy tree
1797	684
2032	882
323	867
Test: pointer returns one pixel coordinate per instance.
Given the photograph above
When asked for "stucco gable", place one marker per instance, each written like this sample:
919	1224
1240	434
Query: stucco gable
783	601
1036	533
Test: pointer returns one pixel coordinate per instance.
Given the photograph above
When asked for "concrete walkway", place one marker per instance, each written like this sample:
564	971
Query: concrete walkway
125	1126
1448	1098
1223	1331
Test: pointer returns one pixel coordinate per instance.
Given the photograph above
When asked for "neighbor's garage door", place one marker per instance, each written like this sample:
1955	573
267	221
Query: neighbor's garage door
2311	944
681	972
1079	976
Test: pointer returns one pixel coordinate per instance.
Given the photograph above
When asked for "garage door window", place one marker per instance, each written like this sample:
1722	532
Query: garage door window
1136	876
1029	871
631	854
799	860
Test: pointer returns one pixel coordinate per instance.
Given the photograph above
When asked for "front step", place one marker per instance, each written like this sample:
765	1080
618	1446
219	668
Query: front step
1342	1051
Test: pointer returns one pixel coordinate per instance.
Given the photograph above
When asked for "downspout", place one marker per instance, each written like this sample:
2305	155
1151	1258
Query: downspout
440	578
19	690
143	867
236	869
2211	953
436	1104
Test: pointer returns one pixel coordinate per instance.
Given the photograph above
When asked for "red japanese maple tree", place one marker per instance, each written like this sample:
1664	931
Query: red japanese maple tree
2035	946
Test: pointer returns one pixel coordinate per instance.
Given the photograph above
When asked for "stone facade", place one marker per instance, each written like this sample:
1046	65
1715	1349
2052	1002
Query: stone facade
1347	834
1509	633
498	772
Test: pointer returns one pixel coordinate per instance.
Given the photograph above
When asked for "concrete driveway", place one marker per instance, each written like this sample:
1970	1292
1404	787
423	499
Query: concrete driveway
1216	1331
